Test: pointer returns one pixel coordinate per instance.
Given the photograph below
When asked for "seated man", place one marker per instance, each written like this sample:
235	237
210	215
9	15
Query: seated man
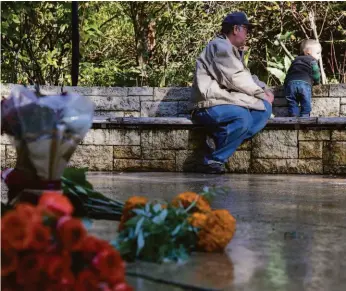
232	104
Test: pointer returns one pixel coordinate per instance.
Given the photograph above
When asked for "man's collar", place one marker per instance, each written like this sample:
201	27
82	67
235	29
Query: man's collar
235	49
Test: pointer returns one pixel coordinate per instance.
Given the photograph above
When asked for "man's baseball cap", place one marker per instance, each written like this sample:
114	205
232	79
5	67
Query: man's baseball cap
237	18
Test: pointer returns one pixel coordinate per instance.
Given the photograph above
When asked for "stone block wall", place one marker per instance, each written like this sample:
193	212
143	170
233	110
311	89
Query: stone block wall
293	151
328	100
271	151
303	151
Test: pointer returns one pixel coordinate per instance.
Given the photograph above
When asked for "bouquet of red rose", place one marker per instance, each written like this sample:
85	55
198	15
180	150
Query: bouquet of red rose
44	248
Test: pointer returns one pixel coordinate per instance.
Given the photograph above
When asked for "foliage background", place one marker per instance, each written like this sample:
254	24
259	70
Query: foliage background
156	43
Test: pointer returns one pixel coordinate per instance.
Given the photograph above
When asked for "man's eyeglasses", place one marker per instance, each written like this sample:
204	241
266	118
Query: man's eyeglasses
247	29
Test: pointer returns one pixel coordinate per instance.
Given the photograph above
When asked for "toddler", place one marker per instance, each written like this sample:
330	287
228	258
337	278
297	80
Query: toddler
302	74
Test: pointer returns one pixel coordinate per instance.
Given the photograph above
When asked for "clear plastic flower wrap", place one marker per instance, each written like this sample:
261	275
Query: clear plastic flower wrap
45	130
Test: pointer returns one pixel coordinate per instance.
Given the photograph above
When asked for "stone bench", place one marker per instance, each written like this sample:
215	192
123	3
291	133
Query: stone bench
140	122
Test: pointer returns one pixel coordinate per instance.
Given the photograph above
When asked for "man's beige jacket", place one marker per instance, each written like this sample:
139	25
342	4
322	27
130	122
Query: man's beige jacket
222	78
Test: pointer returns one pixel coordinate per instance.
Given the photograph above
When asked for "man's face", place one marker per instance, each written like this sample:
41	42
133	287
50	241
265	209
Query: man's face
241	33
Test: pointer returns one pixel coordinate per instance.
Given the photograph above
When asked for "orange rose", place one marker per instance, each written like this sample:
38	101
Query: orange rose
41	237
9	262
71	233
16	230
87	281
198	219
217	231
131	203
29	270
110	265
186	198
56	202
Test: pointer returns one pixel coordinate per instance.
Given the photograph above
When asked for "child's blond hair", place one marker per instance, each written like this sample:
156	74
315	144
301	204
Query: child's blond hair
309	44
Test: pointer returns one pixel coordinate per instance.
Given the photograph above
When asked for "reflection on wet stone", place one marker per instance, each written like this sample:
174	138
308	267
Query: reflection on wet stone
205	271
291	232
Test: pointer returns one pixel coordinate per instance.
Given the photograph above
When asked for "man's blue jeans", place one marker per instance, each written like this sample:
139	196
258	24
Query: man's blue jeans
298	92
229	126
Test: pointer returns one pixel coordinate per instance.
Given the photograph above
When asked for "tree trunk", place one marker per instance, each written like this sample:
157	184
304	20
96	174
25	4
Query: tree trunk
314	30
75	44
145	37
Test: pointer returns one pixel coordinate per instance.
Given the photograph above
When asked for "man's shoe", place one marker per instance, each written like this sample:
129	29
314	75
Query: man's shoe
214	168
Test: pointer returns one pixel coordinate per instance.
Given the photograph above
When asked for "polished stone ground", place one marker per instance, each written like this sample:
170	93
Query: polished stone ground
291	232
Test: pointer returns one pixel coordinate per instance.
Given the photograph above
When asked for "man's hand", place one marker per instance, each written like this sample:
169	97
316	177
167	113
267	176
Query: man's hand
269	96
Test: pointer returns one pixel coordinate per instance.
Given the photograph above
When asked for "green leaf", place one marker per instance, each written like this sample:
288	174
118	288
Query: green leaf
276	65
86	201
286	35
15	19
192	205
277	73
164	214
161	217
287	62
139	211
246	57
77	176
165	237
176	230
139	225
147	207
157	207
81	189
140	242
210	193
